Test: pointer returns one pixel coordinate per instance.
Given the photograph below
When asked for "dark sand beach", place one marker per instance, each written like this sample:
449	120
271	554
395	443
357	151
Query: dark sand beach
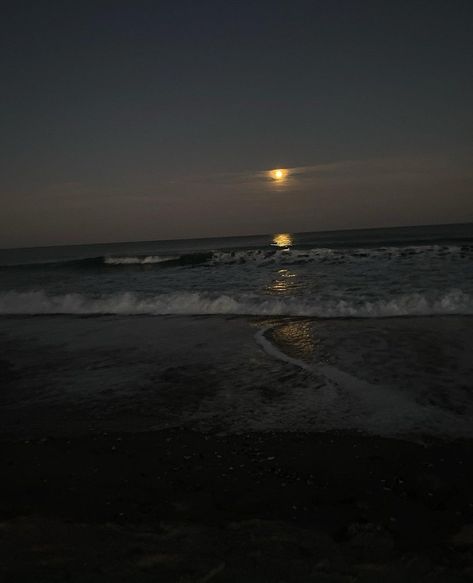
151	449
176	505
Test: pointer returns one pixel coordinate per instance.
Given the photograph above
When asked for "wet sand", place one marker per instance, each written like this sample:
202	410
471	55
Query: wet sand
403	377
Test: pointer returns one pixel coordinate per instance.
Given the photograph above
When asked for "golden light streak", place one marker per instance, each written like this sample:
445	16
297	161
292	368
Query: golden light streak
283	283
282	240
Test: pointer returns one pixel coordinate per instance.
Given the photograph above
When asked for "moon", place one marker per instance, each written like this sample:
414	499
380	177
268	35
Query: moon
279	174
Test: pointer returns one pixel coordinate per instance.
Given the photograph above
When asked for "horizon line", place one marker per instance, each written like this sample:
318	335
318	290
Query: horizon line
96	244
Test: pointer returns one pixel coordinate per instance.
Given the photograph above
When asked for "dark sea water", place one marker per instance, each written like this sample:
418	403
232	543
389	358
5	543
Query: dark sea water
370	273
359	330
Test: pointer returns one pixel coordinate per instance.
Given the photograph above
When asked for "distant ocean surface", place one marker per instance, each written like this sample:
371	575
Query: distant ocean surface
365	273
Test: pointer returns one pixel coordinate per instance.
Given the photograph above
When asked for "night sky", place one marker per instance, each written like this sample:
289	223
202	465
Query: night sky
160	120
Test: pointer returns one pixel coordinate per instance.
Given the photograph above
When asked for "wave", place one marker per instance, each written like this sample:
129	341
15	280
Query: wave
106	261
289	255
266	256
185	303
146	260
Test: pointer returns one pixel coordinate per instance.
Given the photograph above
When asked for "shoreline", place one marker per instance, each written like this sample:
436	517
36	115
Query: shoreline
394	377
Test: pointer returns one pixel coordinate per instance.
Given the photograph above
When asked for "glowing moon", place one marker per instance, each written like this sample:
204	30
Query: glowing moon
278	174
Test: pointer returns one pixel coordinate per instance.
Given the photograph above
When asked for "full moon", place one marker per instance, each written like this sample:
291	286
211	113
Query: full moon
278	174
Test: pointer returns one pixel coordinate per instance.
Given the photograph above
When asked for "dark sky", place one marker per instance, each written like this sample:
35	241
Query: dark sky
149	120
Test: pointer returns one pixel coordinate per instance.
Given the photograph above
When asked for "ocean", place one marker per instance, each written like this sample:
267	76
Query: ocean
365	331
371	273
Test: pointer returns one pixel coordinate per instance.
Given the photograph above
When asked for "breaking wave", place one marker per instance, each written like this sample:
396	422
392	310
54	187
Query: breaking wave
97	263
149	259
184	303
287	256
283	256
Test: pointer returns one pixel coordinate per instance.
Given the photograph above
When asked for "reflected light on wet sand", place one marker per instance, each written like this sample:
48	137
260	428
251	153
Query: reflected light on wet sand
297	339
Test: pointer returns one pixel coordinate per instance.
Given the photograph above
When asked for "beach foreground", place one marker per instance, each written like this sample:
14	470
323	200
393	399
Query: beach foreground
175	505
234	449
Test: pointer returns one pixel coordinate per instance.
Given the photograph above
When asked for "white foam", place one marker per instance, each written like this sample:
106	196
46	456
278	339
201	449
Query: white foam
342	401
137	260
38	302
275	352
288	256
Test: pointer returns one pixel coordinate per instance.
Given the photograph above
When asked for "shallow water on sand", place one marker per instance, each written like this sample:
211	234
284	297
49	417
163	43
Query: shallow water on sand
408	377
